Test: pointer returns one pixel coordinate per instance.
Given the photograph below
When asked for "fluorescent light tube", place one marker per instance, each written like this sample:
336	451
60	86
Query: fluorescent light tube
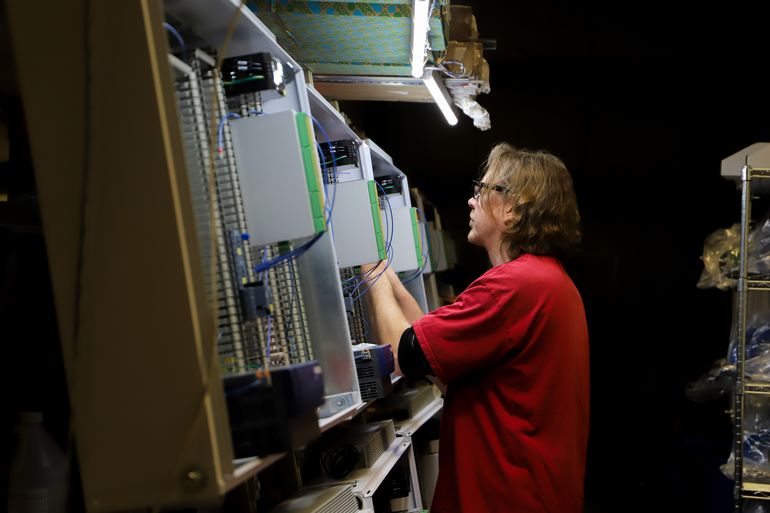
420	18
441	97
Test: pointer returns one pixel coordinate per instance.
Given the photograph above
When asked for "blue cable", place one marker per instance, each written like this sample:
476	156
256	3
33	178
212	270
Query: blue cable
388	246
416	275
352	278
389	252
362	277
297	252
174	32
221	130
359	296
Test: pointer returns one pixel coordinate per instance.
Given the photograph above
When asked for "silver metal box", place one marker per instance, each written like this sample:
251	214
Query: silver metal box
280	177
357	224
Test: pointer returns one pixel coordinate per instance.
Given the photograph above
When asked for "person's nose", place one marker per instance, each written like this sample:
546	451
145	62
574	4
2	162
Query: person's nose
472	202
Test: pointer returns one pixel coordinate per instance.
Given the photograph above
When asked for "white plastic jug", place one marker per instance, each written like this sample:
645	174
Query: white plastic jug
39	472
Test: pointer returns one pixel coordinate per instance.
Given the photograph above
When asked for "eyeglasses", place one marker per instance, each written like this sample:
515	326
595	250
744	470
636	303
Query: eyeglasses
478	185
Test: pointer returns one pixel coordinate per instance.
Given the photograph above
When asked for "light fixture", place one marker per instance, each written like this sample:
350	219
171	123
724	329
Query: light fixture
441	97
420	17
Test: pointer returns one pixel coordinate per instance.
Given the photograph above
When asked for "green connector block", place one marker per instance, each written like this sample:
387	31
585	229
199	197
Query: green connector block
316	206
373	199
380	245
312	171
319	223
305	128
307	160
416	236
315	192
376	218
315	171
380	241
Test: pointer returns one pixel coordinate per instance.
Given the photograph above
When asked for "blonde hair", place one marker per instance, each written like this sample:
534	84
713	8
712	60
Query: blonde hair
539	192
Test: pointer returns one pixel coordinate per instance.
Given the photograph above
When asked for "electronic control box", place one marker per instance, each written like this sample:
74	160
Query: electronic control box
280	176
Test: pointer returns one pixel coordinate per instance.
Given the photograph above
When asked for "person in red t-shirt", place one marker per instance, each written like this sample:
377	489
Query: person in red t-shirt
512	350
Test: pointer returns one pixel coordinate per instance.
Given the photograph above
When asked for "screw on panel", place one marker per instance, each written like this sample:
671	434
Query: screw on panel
193	479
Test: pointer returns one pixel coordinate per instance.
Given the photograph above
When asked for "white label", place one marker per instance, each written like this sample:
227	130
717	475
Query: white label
29	501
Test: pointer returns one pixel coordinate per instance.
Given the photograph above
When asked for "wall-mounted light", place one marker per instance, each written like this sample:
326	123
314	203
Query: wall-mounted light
440	96
420	17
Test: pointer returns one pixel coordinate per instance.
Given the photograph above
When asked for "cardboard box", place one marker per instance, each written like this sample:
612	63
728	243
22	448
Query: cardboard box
470	54
462	23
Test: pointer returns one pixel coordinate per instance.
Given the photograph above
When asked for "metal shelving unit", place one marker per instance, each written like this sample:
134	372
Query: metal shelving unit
743	489
410	426
343	416
146	436
247	467
329	118
323	302
366	481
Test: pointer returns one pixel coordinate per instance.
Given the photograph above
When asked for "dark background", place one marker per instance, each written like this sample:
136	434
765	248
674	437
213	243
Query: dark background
641	101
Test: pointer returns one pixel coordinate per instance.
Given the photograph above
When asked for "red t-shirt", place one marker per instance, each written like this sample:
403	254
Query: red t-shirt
513	351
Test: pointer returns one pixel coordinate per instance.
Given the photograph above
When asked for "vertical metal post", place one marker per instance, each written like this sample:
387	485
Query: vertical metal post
743	293
414	479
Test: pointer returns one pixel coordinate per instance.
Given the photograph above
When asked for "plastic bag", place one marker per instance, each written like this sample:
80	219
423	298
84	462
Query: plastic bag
755	458
758	369
756	507
756	442
759	248
473	110
715	383
720	257
757	338
721	251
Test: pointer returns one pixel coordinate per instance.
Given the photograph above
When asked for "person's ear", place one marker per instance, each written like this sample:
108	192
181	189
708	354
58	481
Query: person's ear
508	213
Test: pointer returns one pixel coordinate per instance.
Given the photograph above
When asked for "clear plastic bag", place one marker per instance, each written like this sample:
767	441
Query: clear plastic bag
756	424
757	337
755	452
715	383
756	442
720	256
756	507
758	369
759	248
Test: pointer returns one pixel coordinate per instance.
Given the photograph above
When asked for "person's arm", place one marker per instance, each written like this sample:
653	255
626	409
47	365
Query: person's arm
406	301
388	318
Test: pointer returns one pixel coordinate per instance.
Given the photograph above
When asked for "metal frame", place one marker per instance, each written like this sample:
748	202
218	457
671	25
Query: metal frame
745	490
137	331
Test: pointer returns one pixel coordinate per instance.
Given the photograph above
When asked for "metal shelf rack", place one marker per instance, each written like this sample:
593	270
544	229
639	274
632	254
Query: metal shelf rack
754	165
